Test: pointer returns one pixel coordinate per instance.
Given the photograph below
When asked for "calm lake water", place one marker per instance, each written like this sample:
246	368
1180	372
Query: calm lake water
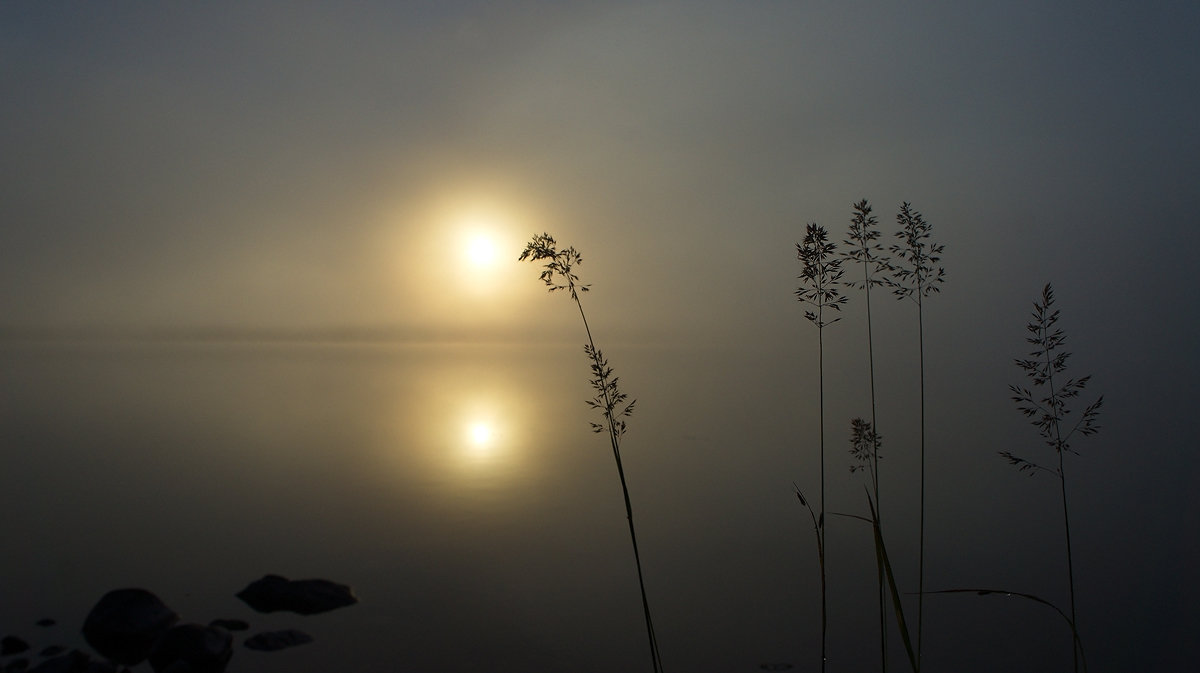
456	488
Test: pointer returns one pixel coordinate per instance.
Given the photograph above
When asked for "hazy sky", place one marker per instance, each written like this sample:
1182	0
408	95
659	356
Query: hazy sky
321	166
301	165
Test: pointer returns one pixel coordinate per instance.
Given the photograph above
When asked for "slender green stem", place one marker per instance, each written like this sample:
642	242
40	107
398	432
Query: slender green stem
917	277
821	528
558	274
863	250
821	275
875	469
1070	560
1062	482
614	439
817	528
921	534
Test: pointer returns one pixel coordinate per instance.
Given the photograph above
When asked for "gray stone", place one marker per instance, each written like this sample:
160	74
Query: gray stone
12	645
125	624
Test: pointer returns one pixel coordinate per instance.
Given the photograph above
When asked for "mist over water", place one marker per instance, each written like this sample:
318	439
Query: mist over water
190	469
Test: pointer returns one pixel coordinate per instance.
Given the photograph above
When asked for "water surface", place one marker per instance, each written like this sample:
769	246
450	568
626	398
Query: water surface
456	488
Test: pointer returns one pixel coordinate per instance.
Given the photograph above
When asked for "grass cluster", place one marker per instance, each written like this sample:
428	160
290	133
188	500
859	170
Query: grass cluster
910	268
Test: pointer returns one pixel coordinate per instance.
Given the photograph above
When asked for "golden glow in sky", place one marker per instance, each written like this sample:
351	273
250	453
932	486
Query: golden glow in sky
456	259
481	250
480	435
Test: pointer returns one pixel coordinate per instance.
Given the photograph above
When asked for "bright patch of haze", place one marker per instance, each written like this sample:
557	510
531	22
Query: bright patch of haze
318	172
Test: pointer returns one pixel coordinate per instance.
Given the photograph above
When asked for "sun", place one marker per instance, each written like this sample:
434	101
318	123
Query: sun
480	250
480	435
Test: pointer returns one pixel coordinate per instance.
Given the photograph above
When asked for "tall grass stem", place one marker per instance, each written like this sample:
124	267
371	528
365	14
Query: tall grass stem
915	276
861	247
558	274
820	277
1047	413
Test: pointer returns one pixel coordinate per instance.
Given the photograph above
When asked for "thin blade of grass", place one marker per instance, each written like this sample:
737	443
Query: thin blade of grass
1036	599
881	559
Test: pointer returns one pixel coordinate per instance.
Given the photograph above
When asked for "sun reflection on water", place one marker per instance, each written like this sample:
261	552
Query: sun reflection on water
482	433
462	428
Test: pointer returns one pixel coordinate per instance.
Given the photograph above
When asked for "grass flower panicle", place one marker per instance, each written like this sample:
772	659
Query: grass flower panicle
820	277
862	247
1047	410
558	273
916	275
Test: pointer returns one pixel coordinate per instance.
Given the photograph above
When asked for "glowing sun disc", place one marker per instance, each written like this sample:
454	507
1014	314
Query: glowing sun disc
481	251
480	434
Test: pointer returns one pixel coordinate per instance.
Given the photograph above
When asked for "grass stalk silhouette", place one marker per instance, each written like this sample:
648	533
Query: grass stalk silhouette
864	448
1047	410
862	248
915	275
820	277
559	274
818	524
1029	597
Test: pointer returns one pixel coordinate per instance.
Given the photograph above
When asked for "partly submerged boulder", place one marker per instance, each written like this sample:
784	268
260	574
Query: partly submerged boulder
125	624
12	645
192	648
230	624
306	597
270	641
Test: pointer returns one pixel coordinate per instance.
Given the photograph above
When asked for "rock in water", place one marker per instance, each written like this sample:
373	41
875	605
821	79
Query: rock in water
192	648
125	624
270	641
305	597
230	624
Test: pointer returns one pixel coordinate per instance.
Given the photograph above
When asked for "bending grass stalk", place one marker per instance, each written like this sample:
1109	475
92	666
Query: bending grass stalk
1036	599
881	557
818	525
884	565
558	274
